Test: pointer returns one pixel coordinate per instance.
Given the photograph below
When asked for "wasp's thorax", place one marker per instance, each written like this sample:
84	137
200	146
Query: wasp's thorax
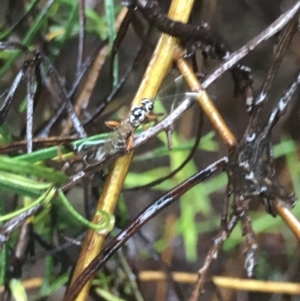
138	114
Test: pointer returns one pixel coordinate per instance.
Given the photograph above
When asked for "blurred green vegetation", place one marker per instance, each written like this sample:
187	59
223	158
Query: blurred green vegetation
29	178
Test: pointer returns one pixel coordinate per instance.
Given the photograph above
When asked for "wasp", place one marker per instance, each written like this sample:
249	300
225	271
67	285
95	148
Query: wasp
123	131
122	136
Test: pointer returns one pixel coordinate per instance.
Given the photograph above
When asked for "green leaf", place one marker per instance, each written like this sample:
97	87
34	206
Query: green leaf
21	185
24	168
106	295
17	290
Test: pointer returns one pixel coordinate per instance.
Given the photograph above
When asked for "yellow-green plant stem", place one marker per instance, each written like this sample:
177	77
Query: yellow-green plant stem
158	68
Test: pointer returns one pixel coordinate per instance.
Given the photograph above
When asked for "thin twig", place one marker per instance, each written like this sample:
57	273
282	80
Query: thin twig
137	223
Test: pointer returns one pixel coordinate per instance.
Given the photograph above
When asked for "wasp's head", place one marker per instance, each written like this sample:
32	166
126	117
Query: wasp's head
147	104
137	116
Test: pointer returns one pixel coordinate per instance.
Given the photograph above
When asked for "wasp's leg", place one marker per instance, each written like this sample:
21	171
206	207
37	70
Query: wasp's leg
153	117
112	124
145	126
169	130
169	133
129	142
